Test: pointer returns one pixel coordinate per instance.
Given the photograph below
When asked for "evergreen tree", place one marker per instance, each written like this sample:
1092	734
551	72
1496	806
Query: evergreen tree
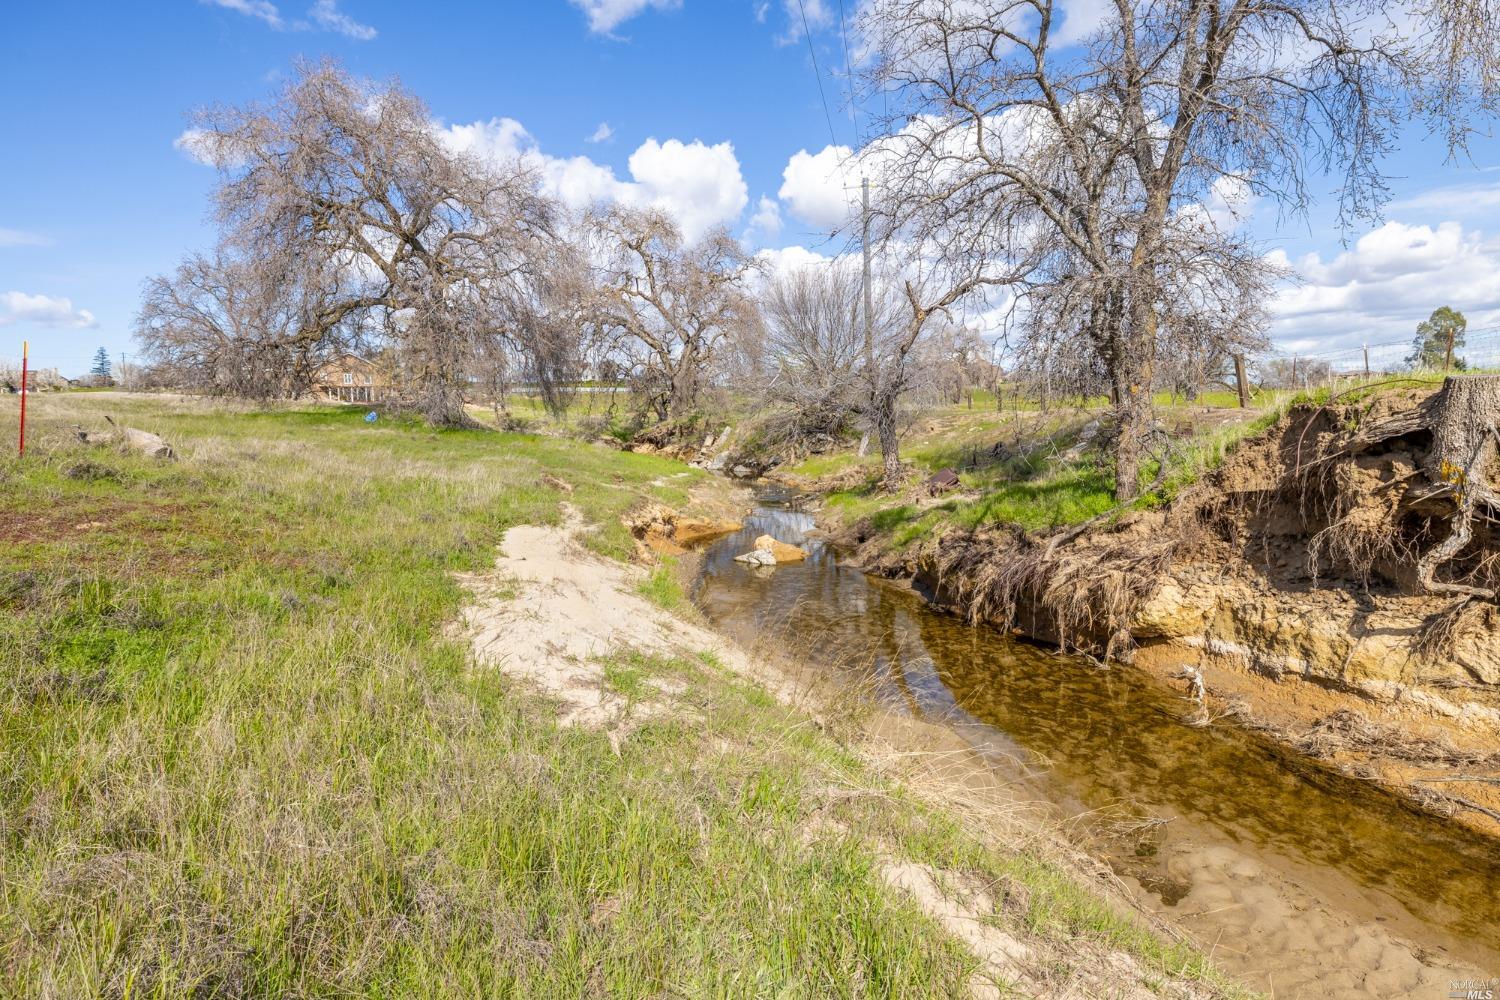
1439	338
101	368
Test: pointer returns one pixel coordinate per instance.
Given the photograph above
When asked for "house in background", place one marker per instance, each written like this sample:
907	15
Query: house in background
350	378
37	379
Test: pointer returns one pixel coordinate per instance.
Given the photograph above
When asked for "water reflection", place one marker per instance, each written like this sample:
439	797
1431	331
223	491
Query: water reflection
1110	737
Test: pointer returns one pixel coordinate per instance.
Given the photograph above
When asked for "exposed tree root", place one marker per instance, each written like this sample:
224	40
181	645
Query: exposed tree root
1466	413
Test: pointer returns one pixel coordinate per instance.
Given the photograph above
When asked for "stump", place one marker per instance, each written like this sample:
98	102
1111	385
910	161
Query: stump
1465	422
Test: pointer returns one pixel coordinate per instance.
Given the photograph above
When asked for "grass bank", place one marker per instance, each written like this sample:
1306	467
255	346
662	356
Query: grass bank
243	756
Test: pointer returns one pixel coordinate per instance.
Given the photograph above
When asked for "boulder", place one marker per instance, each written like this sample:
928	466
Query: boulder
129	439
941	481
757	557
692	530
778	550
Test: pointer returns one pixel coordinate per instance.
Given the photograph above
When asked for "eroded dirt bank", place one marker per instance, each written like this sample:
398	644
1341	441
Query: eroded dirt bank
1332	583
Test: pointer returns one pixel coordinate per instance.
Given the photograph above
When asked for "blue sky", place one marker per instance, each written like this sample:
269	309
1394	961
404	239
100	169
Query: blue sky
95	197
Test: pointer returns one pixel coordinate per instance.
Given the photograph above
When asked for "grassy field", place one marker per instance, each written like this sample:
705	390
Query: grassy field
242	758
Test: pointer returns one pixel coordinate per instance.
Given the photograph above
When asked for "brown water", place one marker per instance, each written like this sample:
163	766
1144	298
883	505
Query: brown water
1090	739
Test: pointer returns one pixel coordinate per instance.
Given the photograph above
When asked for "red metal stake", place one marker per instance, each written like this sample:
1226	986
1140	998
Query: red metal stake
22	452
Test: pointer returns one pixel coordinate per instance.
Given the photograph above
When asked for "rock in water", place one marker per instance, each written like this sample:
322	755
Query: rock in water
690	531
757	557
778	550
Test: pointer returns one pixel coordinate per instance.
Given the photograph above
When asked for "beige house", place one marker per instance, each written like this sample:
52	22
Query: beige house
351	379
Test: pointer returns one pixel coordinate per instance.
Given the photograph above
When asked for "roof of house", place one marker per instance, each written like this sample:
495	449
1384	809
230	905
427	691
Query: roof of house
347	361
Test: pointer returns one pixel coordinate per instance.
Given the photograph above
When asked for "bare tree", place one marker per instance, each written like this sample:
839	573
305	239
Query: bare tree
947	262
668	305
1089	153
816	343
346	178
225	325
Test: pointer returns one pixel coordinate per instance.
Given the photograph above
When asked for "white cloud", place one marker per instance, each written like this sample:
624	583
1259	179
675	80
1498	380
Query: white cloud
1227	206
601	134
697	184
1392	278
195	145
1082	18
700	185
778	262
43	310
817	13
326	14
21	238
817	187
1456	199
262	9
765	224
1231	202
606	15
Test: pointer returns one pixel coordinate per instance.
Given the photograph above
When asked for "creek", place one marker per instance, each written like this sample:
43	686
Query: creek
1296	877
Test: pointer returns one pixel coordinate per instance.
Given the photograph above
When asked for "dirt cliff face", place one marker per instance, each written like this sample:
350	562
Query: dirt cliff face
1343	561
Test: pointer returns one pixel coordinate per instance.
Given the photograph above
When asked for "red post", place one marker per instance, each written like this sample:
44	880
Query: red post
22	452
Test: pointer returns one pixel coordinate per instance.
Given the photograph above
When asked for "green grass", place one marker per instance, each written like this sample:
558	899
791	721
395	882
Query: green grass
1044	488
241	756
661	586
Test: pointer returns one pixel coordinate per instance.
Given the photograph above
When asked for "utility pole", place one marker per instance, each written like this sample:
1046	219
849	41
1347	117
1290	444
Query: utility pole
864	184
1239	380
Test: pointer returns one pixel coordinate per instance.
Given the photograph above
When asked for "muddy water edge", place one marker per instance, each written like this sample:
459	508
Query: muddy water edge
1301	881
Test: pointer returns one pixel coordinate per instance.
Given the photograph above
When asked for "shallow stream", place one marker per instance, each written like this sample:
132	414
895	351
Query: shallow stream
1302	881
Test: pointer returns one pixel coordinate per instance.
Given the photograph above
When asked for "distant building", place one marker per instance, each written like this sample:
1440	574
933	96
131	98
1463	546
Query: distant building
350	378
37	380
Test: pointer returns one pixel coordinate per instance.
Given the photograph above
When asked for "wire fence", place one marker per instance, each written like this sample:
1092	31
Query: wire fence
1478	350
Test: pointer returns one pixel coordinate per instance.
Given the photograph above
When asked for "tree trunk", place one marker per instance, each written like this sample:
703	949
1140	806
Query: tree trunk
442	405
890	445
1465	425
1131	373
684	387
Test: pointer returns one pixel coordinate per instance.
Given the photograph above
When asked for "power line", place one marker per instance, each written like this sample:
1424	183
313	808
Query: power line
817	74
849	73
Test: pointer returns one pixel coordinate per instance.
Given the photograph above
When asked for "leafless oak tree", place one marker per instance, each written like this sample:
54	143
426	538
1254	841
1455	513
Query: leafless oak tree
341	177
226	325
668	305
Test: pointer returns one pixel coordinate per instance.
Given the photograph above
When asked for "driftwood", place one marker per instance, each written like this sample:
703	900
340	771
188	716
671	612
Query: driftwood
128	438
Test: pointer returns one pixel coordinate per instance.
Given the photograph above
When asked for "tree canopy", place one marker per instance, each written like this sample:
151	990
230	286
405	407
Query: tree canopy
1439	339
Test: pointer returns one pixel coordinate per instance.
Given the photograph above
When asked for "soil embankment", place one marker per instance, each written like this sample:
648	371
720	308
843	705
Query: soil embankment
1333	583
